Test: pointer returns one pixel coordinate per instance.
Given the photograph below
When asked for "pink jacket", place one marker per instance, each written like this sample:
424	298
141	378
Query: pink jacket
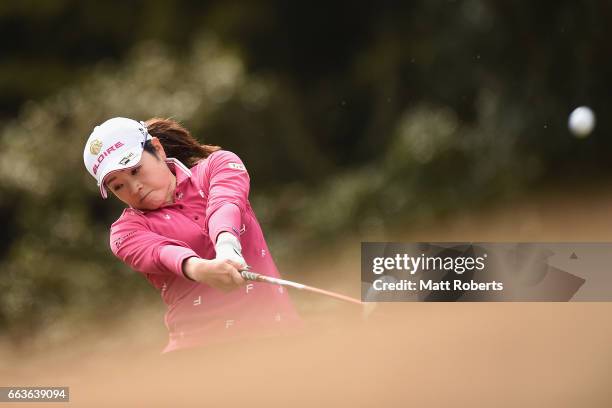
210	198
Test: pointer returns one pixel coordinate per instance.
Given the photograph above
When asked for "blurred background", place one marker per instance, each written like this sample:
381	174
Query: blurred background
358	121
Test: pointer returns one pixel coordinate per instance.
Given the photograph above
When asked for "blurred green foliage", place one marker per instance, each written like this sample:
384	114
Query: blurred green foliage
352	119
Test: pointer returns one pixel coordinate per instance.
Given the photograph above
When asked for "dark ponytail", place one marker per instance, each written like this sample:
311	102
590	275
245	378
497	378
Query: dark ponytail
177	141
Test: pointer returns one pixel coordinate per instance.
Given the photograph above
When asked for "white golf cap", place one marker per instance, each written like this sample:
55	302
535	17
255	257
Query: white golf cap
116	144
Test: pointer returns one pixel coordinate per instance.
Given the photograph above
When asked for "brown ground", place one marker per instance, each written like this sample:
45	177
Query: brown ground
404	354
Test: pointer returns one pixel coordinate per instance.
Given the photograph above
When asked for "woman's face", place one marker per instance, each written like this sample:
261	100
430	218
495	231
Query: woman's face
146	186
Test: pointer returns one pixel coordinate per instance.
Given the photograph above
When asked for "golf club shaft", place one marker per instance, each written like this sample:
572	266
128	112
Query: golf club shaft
254	276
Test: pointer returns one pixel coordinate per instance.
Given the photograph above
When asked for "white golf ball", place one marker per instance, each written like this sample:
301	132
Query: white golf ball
581	121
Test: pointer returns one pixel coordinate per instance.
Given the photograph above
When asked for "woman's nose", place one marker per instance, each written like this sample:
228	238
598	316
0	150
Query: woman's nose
136	187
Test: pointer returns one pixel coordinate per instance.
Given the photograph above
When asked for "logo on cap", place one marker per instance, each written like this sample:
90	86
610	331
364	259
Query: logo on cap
143	131
104	155
95	146
127	159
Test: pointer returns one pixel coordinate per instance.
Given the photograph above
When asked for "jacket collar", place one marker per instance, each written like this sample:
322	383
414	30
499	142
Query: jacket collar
179	169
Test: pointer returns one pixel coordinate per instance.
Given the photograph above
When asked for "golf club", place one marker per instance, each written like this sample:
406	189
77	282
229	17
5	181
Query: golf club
254	276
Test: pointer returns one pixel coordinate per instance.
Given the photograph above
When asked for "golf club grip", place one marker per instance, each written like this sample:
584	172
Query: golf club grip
248	275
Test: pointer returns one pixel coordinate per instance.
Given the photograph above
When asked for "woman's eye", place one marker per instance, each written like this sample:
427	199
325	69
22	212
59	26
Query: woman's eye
134	171
117	187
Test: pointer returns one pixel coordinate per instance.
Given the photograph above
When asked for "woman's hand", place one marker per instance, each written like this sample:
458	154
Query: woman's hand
228	247
222	274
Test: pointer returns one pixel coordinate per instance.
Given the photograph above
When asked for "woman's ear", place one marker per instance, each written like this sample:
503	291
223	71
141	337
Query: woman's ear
159	149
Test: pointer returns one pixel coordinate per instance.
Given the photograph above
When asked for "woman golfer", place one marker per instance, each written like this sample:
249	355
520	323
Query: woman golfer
189	229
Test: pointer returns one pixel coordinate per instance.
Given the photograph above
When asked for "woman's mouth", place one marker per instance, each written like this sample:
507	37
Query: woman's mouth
144	196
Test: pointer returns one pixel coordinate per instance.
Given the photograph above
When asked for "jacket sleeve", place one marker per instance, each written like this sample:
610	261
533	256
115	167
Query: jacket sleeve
228	185
143	250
